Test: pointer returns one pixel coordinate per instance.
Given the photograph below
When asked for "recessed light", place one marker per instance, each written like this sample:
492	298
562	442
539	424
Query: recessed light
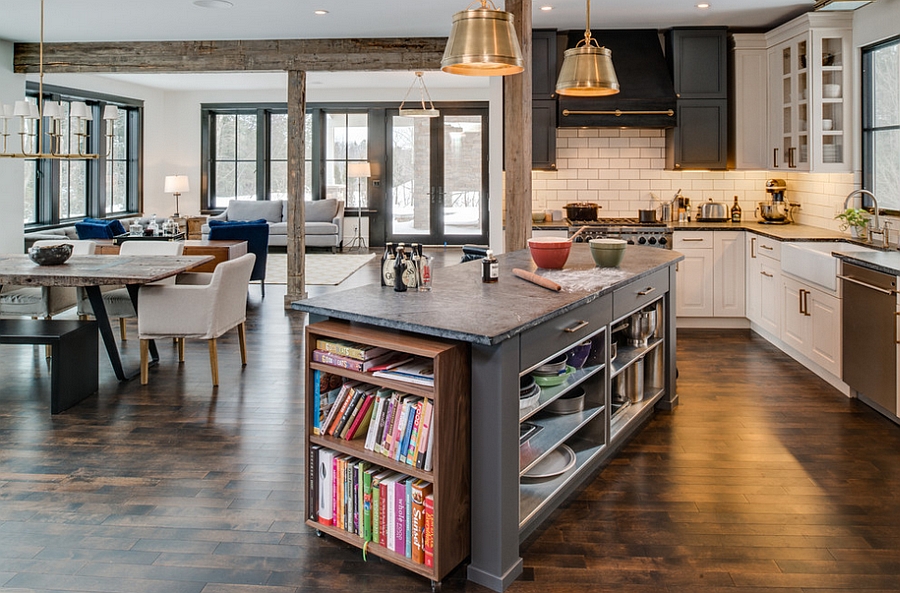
321	12
213	3
546	8
703	5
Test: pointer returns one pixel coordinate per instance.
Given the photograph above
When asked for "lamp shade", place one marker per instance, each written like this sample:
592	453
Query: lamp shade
483	42
587	71
358	169
177	184
80	110
110	112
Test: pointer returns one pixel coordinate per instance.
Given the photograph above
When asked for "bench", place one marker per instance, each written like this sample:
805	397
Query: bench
74	346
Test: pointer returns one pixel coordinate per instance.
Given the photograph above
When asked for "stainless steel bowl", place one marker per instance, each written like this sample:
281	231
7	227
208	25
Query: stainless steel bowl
640	327
773	211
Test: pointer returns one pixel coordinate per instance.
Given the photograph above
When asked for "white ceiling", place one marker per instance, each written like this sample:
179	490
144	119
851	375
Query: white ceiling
149	20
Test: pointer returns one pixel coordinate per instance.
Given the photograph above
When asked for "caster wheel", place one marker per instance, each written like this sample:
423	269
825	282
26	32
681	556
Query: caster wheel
435	587
318	533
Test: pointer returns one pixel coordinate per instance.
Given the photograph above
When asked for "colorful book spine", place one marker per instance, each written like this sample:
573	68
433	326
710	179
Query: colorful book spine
399	517
361	422
345	362
350	349
410	454
339	404
400	454
407	551
420	489
399	428
424	434
350	403
312	484
391	514
325	479
368	476
372	431
428	540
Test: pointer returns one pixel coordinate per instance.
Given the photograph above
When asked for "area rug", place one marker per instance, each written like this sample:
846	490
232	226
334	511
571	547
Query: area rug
321	268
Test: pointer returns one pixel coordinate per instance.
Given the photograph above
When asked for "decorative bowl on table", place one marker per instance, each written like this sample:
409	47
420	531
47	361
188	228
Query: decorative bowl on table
50	255
608	253
549	252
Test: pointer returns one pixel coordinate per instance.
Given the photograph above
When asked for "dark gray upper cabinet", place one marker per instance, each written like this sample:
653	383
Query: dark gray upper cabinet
697	59
543	64
543	98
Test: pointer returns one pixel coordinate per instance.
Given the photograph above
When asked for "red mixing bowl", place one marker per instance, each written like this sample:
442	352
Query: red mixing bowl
549	252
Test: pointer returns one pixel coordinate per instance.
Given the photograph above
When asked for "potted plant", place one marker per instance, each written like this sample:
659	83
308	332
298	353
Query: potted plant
856	219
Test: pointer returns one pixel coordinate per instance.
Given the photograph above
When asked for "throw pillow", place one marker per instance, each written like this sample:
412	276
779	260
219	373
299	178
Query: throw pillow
254	209
213	223
93	230
321	210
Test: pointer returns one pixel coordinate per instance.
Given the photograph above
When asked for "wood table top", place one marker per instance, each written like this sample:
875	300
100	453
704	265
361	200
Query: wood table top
96	270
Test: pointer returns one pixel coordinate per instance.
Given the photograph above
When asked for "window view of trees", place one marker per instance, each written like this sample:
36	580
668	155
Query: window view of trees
235	158
346	139
117	160
881	128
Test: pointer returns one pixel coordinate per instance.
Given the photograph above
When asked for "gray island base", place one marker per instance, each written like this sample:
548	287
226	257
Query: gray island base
512	327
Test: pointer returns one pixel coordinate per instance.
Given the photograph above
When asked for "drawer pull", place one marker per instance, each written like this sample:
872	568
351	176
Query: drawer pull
577	326
692	239
767	275
753	244
647	290
766	247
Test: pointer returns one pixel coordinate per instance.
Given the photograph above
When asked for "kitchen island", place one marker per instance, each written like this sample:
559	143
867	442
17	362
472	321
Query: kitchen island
512	327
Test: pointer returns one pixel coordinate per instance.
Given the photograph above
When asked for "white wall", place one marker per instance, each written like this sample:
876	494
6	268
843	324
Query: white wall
12	182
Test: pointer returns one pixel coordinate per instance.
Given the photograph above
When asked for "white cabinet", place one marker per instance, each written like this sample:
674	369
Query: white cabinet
710	279
764	283
812	324
810	78
748	95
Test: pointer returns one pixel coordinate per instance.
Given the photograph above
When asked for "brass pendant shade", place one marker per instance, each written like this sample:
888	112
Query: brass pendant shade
483	42
587	69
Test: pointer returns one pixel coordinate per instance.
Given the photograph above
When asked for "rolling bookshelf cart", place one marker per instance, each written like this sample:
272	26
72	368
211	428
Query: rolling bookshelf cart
450	471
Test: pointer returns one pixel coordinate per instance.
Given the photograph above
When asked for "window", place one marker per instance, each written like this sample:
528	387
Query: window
59	191
245	153
881	123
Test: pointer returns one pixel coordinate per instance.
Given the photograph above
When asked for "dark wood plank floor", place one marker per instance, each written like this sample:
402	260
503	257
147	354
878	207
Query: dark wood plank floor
764	479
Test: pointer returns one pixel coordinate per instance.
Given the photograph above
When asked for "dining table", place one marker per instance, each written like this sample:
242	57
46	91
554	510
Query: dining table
90	272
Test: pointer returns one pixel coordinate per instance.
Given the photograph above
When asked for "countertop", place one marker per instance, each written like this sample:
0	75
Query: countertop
462	307
886	262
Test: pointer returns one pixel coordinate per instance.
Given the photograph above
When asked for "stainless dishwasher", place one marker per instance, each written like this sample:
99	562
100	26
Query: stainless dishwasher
869	336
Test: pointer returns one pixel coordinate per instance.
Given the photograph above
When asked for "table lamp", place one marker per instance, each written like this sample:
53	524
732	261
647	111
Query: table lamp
177	185
361	170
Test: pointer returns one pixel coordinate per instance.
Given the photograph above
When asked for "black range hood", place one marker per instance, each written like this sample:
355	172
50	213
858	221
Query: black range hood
647	94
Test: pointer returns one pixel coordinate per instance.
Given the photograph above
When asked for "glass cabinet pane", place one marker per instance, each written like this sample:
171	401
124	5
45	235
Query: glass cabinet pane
801	55
832	55
786	61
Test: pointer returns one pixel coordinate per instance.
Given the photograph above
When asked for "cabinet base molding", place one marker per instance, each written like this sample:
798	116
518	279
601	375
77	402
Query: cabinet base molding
712	322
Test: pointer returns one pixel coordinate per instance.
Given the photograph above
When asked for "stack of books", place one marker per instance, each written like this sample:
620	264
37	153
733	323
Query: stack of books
357	357
382	506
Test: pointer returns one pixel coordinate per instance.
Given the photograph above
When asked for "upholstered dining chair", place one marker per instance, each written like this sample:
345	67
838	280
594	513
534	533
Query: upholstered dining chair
255	233
205	308
43	301
118	301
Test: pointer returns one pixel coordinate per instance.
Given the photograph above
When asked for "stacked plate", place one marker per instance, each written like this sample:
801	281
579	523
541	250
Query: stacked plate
529	392
553	372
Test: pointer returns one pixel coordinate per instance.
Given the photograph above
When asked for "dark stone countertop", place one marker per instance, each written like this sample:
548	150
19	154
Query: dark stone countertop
462	307
886	262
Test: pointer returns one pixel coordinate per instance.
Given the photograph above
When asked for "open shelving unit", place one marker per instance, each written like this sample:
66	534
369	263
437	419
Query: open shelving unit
450	474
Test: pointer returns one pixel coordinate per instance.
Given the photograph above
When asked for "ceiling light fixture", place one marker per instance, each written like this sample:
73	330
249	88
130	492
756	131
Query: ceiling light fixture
483	42
546	8
424	111
31	123
213	3
321	12
703	6
833	5
587	69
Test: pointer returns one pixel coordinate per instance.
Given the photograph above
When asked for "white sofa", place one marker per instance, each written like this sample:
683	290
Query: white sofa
324	220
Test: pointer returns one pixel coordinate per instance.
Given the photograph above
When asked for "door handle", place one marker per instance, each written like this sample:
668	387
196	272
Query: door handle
775	158
766	247
806	303
646	291
800	300
767	275
693	239
791	163
867	285
753	247
576	327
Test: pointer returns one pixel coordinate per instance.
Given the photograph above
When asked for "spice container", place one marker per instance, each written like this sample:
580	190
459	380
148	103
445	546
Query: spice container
490	267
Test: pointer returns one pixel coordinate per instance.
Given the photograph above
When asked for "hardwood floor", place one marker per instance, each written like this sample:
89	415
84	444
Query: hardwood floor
763	479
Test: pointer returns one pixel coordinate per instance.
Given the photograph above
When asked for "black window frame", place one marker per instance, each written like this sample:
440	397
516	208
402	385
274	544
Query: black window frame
47	171
868	125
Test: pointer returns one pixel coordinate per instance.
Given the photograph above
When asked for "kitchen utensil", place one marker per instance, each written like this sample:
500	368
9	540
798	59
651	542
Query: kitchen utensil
549	252
577	356
634	381
537	217
568	403
713	212
646	216
772	211
534	278
607	253
50	255
831	91
553	380
654	369
641	326
557	462
582	211
827	124
554	366
665	212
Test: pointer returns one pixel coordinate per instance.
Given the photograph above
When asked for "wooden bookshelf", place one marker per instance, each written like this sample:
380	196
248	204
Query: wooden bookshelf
450	473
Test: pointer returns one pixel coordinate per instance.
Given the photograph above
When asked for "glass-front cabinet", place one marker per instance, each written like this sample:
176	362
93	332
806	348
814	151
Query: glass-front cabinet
810	74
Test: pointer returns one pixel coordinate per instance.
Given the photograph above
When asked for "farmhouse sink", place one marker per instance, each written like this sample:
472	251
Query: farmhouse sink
812	261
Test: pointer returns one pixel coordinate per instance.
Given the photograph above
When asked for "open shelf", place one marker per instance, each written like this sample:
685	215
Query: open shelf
627	355
556	429
626	414
548	394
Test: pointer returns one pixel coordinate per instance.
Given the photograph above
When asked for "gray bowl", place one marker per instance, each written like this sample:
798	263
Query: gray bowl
51	255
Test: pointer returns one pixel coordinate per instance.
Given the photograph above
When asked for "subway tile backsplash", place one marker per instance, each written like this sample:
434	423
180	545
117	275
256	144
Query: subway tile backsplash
620	169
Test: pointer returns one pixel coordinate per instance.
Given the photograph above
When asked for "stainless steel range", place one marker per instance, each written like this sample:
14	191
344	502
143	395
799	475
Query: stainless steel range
652	234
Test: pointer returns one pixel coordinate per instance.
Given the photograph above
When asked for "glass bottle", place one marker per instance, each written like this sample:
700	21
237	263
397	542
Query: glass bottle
399	268
387	265
490	267
736	211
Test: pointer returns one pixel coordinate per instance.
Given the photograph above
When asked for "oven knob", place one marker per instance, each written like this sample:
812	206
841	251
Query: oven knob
579	239
631	241
642	240
652	240
663	240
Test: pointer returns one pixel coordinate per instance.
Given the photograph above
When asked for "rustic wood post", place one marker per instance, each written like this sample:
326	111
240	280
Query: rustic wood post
296	238
517	135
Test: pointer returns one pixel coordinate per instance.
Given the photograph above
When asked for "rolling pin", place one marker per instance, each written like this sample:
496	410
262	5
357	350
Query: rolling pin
534	278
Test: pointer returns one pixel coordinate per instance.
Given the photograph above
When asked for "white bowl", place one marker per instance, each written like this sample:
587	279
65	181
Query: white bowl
827	124
831	91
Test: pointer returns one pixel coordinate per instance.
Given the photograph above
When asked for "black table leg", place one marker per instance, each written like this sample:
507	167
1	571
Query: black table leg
133	293
109	340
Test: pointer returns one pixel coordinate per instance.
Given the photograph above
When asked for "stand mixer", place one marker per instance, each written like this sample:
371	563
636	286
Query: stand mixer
775	210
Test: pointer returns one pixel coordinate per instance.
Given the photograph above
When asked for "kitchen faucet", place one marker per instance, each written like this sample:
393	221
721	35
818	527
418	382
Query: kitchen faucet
877	230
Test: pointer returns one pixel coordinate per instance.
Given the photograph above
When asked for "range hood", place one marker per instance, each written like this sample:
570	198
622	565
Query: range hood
647	95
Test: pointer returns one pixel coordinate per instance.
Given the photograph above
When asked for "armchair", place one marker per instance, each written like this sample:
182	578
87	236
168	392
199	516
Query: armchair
255	233
202	311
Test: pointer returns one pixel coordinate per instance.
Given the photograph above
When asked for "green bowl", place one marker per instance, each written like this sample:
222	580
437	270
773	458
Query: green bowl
553	380
608	244
607	258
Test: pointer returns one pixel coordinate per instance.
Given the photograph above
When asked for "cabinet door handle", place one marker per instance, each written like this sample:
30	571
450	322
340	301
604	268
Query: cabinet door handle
646	291
791	163
580	325
693	239
775	158
753	247
767	275
806	303
766	247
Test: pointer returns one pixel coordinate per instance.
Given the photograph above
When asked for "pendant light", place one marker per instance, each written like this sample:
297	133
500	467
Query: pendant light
483	42
587	69
424	111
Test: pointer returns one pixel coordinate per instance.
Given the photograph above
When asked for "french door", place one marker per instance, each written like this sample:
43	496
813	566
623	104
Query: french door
437	178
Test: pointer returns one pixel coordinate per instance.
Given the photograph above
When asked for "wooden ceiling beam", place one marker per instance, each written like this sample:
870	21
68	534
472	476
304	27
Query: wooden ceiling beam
310	55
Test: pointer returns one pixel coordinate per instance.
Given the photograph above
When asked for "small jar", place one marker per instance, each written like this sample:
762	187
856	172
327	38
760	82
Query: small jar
490	268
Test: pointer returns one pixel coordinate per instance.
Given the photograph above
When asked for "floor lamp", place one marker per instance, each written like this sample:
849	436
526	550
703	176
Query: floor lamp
361	170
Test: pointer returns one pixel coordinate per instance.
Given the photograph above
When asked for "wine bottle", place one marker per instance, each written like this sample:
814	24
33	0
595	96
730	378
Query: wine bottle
736	211
399	268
